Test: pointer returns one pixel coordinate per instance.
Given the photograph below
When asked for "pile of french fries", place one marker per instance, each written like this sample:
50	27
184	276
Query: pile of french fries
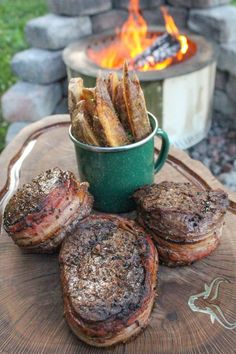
111	114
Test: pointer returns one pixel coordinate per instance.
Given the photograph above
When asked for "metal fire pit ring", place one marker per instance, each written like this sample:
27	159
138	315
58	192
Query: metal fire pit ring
180	95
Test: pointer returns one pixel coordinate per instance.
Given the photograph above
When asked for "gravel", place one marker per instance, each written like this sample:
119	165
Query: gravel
218	150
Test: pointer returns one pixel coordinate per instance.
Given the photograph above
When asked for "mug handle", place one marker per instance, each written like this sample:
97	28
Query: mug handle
164	150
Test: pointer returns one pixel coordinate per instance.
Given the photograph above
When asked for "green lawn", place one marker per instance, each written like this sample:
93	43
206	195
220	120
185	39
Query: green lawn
13	16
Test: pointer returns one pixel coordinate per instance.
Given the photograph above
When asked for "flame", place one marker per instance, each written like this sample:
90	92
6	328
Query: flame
133	39
171	27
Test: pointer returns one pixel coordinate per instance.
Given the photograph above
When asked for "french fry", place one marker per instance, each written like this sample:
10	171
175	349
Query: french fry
135	105
112	83
121	109
88	93
98	131
75	89
111	114
81	128
114	132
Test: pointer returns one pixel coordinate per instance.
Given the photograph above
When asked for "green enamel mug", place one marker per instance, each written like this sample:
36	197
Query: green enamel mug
114	173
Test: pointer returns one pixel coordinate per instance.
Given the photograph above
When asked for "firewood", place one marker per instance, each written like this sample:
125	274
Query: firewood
165	46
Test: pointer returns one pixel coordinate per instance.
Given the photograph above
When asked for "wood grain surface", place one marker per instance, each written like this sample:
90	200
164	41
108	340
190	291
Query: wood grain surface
31	309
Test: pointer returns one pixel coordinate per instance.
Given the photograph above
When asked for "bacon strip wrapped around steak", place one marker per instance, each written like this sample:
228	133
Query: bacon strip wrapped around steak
185	222
39	214
108	274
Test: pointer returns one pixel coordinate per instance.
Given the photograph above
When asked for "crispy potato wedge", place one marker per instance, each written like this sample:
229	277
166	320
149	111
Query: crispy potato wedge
121	109
115	89
135	105
91	109
81	128
112	83
111	114
88	93
75	89
114	132
99	132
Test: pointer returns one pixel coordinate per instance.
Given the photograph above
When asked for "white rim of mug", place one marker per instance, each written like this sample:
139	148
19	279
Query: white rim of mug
116	148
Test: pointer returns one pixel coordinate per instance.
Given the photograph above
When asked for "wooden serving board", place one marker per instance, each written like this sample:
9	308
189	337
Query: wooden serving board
195	311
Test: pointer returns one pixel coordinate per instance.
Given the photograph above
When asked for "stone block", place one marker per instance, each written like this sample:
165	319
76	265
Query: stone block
14	129
143	4
79	7
29	102
223	104
231	88
56	32
221	80
39	66
62	107
65	87
218	24
198	3
108	20
154	17
227	58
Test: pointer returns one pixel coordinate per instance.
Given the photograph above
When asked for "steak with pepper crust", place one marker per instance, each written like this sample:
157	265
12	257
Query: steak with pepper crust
185	221
108	273
39	214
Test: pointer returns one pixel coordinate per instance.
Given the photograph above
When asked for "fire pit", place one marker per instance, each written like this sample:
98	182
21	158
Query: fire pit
144	49
177	71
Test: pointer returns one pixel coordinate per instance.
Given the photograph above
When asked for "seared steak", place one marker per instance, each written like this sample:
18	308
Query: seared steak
185	221
38	216
108	273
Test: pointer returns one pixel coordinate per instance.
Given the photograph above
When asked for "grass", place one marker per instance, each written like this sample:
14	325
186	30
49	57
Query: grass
14	15
3	130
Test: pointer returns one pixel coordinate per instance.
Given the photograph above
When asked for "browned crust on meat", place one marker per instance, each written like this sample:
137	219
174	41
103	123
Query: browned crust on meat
32	197
180	212
115	329
53	243
39	215
184	221
175	254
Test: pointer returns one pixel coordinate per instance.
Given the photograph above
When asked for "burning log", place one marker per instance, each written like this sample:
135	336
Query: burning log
164	47
143	52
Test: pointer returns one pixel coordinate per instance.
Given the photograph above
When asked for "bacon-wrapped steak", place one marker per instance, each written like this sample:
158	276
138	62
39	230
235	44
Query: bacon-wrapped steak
108	273
185	221
40	214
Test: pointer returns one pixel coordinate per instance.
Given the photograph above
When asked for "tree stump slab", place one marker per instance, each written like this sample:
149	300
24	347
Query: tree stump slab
195	311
